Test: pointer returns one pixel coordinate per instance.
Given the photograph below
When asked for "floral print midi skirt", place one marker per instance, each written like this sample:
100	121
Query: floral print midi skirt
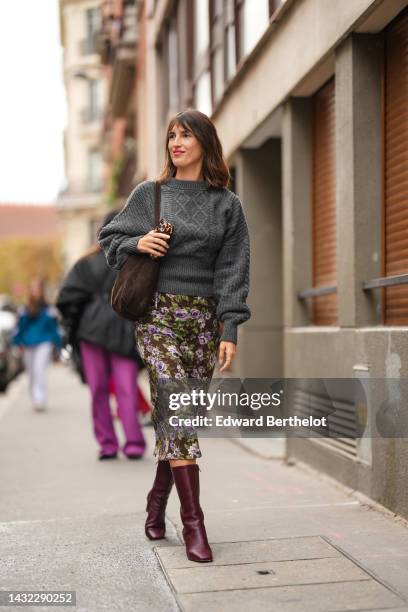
178	340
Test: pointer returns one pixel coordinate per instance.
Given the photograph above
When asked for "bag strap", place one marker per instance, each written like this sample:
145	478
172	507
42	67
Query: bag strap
157	203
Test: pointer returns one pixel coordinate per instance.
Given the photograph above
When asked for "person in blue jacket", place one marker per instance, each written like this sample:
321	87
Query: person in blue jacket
37	333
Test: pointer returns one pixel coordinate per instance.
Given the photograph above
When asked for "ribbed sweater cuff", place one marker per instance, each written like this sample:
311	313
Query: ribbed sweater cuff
230	331
130	245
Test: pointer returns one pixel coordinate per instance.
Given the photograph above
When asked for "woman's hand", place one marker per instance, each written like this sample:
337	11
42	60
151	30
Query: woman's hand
227	350
153	243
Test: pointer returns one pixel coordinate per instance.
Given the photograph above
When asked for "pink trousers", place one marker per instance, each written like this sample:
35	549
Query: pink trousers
99	365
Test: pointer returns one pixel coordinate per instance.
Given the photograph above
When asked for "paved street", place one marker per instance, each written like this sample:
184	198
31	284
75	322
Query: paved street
283	537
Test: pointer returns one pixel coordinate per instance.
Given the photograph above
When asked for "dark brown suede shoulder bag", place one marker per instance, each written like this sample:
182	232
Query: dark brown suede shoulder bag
136	282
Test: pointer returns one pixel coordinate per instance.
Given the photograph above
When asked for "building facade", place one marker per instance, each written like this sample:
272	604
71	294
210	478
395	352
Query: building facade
80	204
118	48
310	101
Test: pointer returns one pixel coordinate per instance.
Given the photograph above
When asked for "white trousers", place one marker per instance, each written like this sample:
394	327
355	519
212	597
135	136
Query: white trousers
36	360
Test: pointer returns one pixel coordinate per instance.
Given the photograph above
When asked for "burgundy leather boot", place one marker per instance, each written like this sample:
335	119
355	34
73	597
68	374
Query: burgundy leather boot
155	526
186	478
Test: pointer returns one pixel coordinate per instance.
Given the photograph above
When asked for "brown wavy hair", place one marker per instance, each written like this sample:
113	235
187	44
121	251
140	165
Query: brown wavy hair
35	303
215	169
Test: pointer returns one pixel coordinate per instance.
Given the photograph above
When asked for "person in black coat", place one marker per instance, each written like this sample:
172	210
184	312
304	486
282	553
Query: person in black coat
107	349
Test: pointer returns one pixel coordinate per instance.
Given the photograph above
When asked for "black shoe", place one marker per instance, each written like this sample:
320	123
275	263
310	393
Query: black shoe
134	456
102	456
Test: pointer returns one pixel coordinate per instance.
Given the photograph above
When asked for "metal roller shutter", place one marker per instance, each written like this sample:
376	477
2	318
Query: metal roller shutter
395	226
324	204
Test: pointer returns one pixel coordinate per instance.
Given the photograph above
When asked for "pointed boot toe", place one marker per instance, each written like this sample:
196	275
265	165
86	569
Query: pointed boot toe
155	533
202	555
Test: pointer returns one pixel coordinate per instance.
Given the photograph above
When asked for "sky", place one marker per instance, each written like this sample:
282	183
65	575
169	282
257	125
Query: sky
32	102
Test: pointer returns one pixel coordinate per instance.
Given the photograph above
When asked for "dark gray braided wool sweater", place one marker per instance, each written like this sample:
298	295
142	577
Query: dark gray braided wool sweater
209	252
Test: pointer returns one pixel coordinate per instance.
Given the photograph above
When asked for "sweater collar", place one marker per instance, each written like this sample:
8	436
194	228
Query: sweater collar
181	184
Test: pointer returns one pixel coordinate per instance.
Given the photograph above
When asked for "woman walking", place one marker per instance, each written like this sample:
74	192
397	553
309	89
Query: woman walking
37	333
108	350
200	299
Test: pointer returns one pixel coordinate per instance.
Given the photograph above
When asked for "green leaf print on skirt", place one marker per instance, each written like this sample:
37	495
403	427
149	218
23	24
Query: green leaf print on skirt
178	339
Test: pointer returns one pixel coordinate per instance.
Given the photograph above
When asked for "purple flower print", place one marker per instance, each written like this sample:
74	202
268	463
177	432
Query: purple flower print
167	332
194	451
161	338
172	445
161	366
181	313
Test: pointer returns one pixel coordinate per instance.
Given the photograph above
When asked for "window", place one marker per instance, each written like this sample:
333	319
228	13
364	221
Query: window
230	58
201	27
218	8
202	75
324	204
93	26
253	19
93	110
395	213
203	93
173	65
218	74
217	50
170	95
93	22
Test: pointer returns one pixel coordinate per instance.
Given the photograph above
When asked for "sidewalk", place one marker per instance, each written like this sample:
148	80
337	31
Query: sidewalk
283	538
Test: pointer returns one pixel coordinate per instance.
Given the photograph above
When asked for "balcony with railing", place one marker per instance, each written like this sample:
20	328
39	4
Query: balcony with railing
117	43
82	194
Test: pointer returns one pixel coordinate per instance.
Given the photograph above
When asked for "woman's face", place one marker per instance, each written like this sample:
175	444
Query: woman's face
36	290
184	147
